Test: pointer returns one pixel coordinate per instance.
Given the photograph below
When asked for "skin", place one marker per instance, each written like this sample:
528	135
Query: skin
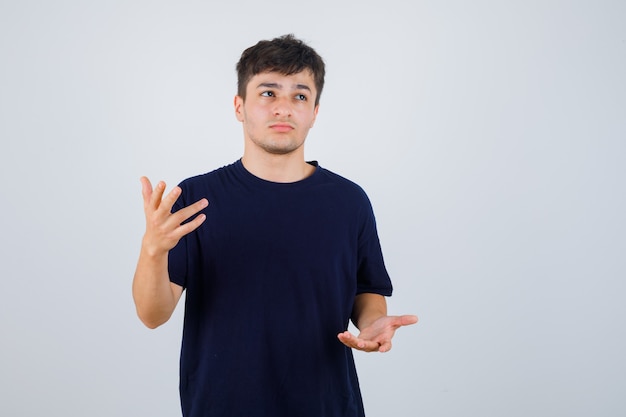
276	116
154	295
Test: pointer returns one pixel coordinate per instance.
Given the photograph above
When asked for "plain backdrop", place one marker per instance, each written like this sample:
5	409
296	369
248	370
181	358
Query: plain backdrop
489	135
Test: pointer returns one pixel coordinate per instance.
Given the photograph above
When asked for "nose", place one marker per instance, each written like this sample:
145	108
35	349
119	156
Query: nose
282	107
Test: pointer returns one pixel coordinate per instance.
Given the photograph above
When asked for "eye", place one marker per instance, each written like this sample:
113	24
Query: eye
301	97
267	94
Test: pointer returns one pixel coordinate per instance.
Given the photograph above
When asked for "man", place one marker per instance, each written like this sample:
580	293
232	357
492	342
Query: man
276	255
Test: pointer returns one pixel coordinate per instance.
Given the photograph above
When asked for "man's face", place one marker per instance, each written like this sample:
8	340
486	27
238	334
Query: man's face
278	111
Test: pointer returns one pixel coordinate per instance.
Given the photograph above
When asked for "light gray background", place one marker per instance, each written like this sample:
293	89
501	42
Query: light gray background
489	135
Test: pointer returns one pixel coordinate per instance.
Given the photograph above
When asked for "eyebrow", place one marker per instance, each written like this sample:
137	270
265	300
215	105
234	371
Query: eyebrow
280	86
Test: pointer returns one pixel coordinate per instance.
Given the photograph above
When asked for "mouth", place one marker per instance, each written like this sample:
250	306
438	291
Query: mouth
281	127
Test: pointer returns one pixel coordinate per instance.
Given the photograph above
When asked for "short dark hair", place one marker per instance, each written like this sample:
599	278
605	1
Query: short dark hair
286	55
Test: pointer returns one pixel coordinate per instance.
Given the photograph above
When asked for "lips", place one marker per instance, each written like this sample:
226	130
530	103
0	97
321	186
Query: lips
281	127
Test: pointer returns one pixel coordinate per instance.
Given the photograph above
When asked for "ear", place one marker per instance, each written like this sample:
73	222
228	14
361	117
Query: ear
238	103
314	115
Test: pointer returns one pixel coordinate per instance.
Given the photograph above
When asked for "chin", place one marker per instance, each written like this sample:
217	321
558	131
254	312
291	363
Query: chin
281	149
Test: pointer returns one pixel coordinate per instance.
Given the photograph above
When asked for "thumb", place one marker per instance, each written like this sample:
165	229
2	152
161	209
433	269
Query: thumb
408	319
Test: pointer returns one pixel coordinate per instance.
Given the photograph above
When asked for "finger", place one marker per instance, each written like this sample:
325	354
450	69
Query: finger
398	321
368	346
157	196
146	190
385	346
348	339
191	226
408	319
354	342
166	203
187	212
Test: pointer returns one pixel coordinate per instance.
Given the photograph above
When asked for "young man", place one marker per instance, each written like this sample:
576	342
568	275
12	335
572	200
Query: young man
276	255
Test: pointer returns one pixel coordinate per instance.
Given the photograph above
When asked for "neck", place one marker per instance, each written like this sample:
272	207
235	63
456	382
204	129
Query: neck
278	168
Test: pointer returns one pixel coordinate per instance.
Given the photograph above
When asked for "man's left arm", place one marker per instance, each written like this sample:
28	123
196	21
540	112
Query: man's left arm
376	328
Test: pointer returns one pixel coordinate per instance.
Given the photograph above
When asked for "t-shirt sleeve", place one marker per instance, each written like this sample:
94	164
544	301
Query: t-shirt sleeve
372	275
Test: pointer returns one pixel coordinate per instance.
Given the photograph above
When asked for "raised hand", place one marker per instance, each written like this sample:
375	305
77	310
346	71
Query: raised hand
377	336
155	296
163	228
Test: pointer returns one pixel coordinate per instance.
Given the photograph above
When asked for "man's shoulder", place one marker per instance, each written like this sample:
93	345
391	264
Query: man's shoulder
209	176
343	183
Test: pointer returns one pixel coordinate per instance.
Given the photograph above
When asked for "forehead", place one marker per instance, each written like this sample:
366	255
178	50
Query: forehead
302	80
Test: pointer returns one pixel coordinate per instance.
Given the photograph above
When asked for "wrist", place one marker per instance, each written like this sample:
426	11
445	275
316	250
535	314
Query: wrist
152	251
367	321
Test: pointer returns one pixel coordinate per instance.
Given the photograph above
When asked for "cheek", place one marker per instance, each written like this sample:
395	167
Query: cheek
255	113
310	120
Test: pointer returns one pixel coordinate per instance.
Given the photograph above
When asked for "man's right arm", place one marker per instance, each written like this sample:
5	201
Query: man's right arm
154	295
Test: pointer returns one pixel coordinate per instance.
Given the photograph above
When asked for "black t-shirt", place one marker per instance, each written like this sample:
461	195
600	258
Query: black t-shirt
270	280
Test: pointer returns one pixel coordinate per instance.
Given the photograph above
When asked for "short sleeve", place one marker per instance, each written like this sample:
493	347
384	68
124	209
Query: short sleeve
372	275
